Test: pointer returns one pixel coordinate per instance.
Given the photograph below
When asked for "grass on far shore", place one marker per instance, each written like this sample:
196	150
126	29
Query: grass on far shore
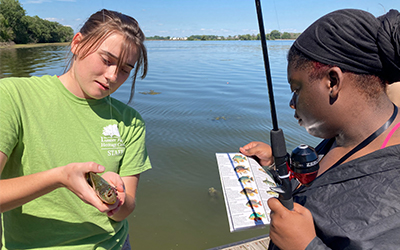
30	45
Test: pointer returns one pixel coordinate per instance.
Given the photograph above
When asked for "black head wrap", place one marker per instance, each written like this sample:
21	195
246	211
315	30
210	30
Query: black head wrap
356	41
389	45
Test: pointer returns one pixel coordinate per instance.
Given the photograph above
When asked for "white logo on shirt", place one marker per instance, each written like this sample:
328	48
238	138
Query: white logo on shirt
111	141
111	130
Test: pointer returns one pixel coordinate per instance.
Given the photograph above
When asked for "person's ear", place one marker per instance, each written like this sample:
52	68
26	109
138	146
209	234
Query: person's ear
335	76
75	42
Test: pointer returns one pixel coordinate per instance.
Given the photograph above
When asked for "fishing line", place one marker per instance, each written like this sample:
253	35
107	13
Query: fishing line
109	83
109	100
276	14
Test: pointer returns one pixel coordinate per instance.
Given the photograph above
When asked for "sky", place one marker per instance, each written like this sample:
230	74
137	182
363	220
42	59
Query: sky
183	18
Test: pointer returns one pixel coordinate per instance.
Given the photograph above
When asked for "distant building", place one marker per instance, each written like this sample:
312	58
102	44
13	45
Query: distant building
178	38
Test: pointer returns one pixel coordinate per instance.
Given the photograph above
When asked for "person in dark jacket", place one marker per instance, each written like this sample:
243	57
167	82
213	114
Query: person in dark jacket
338	71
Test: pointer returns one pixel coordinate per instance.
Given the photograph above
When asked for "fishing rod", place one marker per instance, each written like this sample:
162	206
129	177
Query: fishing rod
281	157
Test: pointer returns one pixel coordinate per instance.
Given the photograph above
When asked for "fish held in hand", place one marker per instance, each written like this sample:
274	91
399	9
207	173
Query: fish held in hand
106	192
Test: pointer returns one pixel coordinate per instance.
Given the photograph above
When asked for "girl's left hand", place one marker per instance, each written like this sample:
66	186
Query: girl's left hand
115	180
260	150
290	229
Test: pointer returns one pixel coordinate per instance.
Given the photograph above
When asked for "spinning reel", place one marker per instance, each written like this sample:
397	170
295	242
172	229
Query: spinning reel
304	164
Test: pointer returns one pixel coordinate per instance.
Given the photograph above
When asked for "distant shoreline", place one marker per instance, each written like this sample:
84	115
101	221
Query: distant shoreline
181	40
29	45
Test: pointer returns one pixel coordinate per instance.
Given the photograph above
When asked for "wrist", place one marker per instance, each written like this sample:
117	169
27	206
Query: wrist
60	176
125	210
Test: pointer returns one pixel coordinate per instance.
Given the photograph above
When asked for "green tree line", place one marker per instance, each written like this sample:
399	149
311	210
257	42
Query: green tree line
19	28
274	35
158	38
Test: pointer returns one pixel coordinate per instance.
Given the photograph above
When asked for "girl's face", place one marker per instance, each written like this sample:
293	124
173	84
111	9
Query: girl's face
311	103
96	75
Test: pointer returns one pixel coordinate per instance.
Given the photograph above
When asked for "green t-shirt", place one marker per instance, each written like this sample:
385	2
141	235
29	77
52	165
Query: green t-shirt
42	126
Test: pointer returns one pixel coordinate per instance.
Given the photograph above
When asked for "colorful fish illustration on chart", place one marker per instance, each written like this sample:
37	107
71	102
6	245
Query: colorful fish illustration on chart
239	158
270	192
269	183
246	179
253	203
263	170
241	169
249	191
257	216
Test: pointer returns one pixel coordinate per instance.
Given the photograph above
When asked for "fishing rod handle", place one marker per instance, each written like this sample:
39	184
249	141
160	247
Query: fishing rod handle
287	203
282	158
286	197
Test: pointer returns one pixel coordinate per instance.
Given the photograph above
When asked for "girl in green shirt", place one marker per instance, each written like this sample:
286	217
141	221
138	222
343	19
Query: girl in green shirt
54	130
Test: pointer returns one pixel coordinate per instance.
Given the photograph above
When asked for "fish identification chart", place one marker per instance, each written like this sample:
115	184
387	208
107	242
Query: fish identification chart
246	187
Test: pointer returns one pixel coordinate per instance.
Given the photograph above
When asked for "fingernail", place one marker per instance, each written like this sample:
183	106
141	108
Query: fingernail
100	168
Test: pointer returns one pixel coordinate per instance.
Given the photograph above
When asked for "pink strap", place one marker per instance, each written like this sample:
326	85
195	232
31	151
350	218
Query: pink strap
390	135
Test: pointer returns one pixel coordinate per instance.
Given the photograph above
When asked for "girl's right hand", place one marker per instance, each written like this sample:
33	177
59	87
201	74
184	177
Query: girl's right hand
290	229
74	178
260	150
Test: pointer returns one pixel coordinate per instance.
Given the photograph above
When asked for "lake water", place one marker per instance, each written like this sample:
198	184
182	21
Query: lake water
213	98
